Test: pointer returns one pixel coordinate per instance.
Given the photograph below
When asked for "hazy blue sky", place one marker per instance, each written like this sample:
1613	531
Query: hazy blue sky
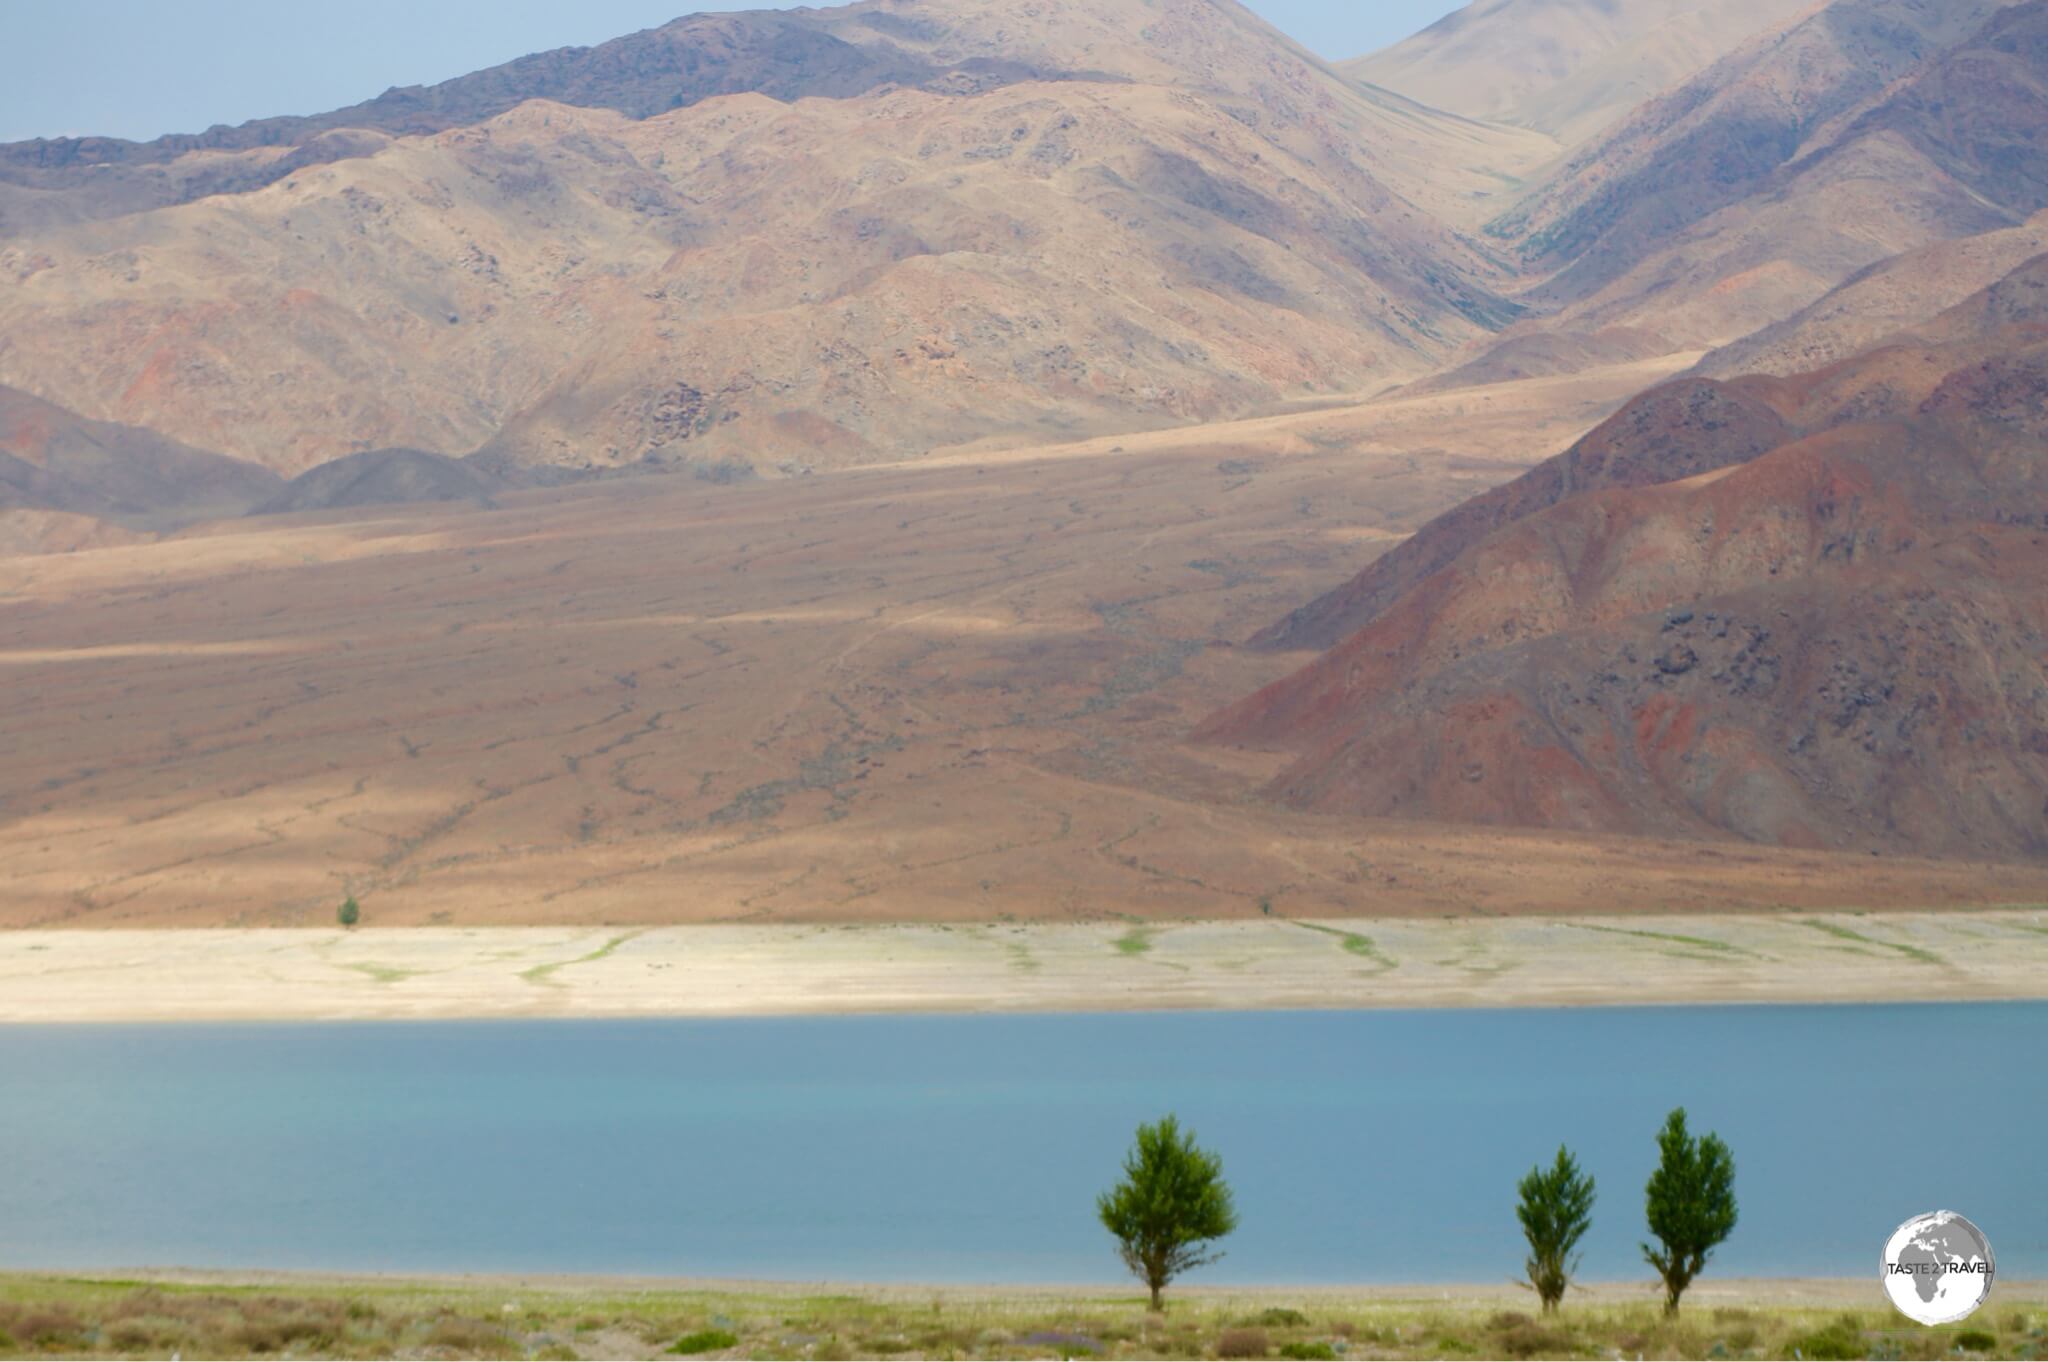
139	68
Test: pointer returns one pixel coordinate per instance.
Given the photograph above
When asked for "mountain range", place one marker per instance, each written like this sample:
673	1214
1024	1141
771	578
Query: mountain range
1774	272
758	237
1806	611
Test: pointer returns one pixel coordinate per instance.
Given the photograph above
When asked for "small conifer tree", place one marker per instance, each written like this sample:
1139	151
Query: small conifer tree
1691	1205
1556	1211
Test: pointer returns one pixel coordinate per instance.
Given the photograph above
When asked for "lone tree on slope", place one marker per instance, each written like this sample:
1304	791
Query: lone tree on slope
1691	1205
1170	1208
1556	1211
348	915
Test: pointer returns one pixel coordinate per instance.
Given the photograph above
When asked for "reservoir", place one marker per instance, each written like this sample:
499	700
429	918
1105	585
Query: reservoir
1363	1147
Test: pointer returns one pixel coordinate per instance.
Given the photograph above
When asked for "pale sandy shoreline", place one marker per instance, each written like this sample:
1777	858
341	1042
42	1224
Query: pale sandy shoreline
1266	964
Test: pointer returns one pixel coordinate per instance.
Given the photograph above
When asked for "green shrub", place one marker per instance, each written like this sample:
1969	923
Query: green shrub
458	1334
1527	1338
1243	1343
1308	1352
1841	1341
705	1341
1280	1317
1977	1341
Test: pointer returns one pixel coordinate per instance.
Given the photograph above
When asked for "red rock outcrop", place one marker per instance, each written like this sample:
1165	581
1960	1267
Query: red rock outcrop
1839	641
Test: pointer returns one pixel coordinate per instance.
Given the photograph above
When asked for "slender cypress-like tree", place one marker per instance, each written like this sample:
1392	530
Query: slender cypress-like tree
1170	1208
1555	1211
1691	1205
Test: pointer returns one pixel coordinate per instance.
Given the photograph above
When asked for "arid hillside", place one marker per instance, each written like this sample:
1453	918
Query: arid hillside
53	460
1098	215
1896	294
955	691
1014	365
1805	612
954	47
1718	139
1569	68
1853	146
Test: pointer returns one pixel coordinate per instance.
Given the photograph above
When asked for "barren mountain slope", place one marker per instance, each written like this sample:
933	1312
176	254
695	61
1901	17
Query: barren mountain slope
831	53
954	47
382	477
1676	430
1690	427
52	460
1216	221
834	281
26	532
953	691
1840	642
1729	227
1891	296
1567	67
1721	137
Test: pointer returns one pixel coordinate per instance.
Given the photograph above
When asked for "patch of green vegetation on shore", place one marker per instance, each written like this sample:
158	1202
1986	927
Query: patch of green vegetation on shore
1703	943
545	974
1353	942
385	974
1834	929
73	1317
1134	942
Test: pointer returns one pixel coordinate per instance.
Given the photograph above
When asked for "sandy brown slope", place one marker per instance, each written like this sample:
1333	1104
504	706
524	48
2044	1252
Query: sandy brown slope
829	282
954	691
1702	424
24	531
1894	295
1214	221
1719	138
53	460
1838	642
1566	67
833	53
956	47
1676	430
1747	196
382	477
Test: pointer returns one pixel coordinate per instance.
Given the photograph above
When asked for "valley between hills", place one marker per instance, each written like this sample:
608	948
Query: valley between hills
1061	465
961	690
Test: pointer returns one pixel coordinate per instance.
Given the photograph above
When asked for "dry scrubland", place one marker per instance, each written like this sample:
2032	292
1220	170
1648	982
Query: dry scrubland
221	1317
914	693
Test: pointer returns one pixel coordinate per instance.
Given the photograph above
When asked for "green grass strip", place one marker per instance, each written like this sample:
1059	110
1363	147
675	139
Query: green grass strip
1353	942
1925	957
545	974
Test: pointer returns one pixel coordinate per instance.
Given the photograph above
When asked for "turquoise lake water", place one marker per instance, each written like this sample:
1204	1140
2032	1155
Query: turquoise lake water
1364	1147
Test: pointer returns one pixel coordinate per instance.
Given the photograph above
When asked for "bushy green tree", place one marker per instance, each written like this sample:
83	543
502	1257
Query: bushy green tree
1170	1208
1691	1205
348	914
1556	1210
